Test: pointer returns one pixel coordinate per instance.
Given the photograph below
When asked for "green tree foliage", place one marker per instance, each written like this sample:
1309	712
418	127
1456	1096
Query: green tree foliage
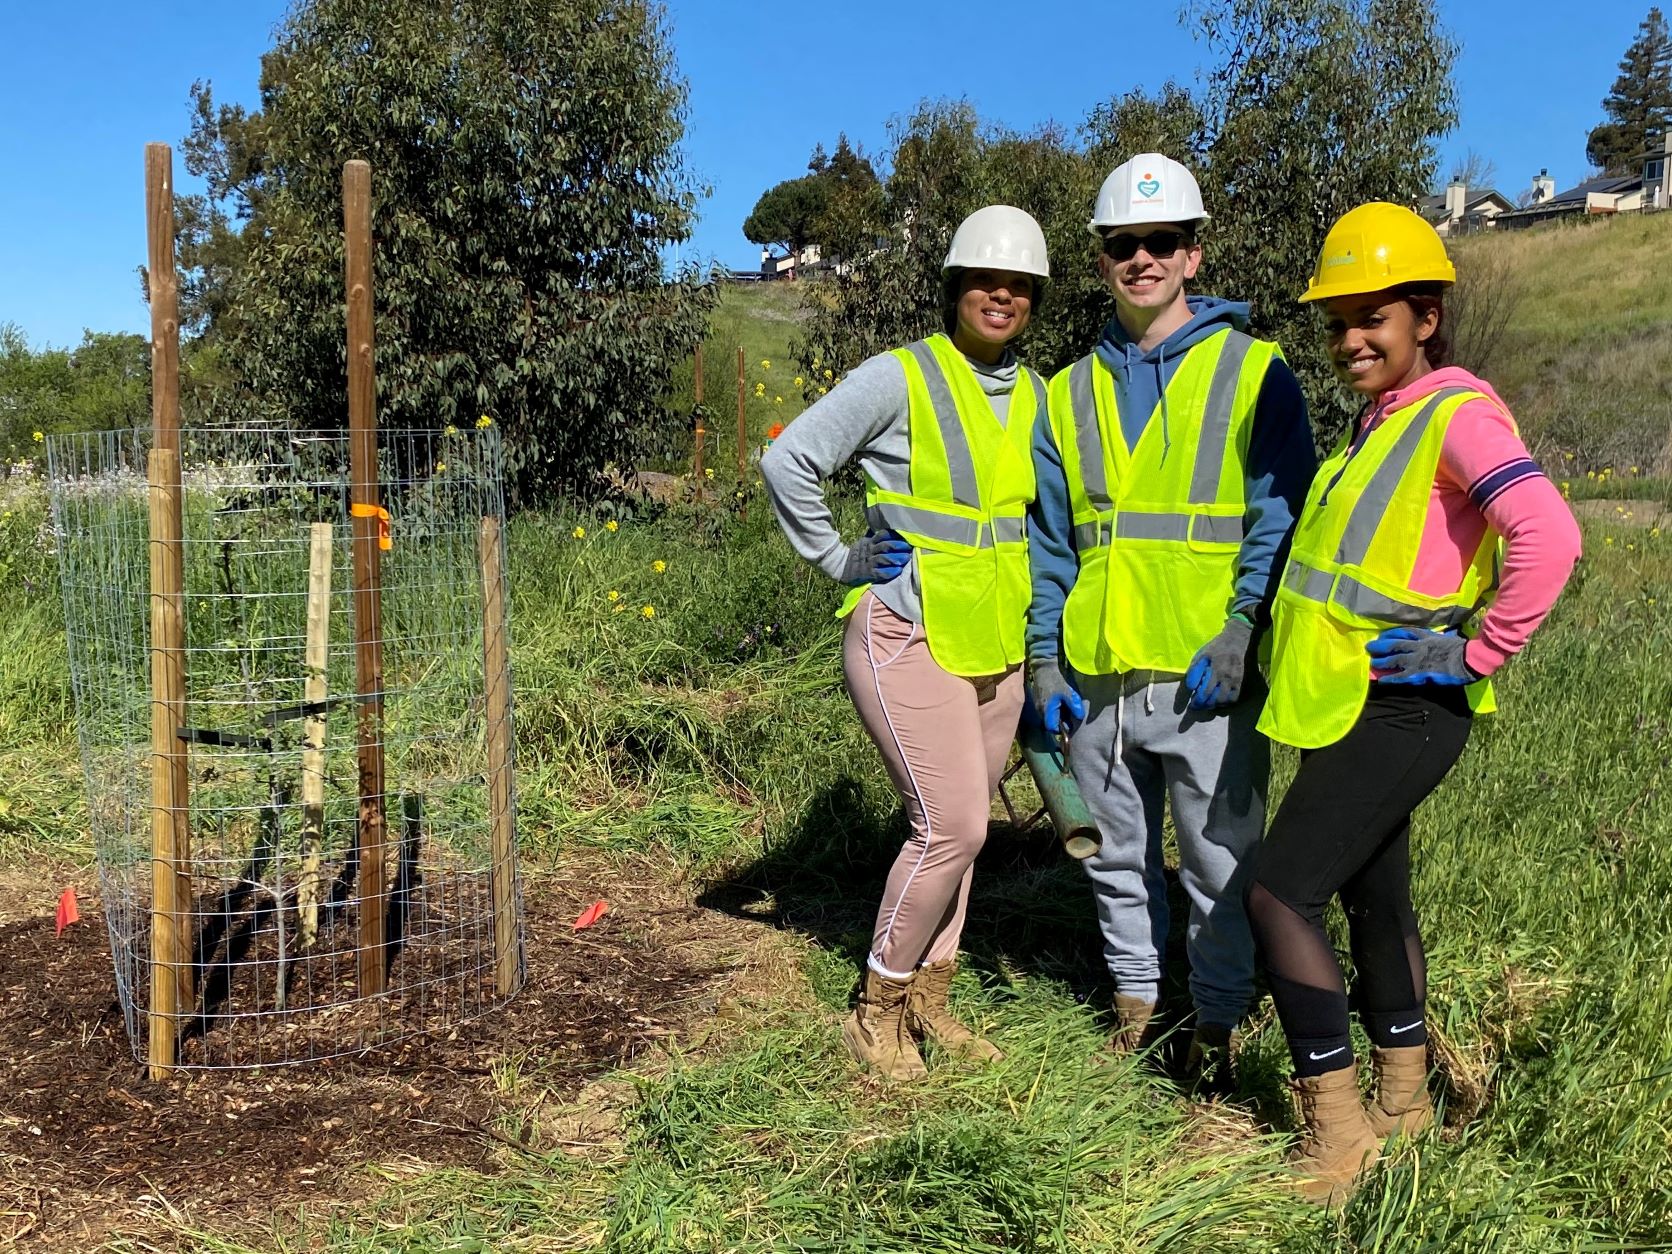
787	213
835	204
1640	104
1312	106
103	384
526	178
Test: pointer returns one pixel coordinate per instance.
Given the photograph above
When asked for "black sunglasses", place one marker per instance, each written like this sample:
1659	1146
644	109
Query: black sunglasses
1158	244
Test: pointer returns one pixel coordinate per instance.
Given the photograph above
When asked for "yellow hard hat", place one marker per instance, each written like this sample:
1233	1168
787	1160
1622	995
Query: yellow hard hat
1375	247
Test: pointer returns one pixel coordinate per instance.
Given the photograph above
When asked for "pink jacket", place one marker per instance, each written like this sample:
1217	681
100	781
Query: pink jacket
1487	479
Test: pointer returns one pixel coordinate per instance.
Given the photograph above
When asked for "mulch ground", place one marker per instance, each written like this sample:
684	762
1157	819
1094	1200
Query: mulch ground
89	1146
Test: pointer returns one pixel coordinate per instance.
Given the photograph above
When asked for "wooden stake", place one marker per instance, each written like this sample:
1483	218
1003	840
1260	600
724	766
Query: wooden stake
742	426
368	588
314	692
696	462
503	873
170	966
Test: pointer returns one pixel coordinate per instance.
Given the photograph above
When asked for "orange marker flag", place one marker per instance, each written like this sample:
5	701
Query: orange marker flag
592	914
67	912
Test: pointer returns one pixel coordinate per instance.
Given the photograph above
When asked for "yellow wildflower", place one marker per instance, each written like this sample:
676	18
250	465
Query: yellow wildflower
1608	540
483	423
798	380
822	391
1655	531
618	608
777	400
579	533
612	526
708	473
659	566
648	611
441	468
1634	470
38	437
765	364
828	376
816	363
613	595
451	430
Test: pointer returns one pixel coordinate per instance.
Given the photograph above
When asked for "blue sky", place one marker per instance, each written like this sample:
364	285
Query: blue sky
83	87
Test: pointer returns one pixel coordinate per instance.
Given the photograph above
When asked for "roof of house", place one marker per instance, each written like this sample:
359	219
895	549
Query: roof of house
1434	207
1615	185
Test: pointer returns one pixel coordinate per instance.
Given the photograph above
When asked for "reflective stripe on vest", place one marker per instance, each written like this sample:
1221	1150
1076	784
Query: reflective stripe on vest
971	481
1320	674
1166	529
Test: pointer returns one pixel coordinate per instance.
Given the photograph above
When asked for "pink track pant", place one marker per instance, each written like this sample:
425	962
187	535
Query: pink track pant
944	739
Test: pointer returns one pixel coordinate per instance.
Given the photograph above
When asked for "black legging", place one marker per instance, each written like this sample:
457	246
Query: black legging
1344	827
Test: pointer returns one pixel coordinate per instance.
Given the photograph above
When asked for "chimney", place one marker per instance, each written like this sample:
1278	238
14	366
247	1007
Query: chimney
1457	196
1544	187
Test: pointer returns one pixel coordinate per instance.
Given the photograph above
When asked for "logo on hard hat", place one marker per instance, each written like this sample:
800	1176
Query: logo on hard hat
1148	186
1344	259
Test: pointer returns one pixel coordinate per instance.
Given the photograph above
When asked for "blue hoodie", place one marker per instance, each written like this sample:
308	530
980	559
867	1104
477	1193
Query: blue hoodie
1280	467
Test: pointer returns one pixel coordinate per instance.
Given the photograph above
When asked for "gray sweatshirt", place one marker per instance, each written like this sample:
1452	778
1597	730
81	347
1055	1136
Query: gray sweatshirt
866	416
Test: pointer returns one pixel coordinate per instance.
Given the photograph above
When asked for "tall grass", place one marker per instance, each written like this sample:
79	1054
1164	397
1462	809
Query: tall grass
1586	361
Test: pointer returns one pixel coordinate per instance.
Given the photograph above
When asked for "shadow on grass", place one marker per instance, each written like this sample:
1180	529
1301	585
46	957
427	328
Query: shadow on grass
1030	908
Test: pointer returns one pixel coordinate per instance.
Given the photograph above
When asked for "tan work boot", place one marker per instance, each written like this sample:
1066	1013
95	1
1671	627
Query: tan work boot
1337	1145
1133	1016
927	1014
1210	1064
875	1033
1400	1105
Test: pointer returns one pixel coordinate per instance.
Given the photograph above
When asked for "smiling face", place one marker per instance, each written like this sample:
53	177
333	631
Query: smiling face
1144	284
993	308
1375	340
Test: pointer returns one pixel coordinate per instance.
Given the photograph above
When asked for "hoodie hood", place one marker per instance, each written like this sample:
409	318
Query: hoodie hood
1445	377
1141	377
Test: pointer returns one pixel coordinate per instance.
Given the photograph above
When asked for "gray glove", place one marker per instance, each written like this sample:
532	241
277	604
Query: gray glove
876	557
1406	655
1216	672
1060	708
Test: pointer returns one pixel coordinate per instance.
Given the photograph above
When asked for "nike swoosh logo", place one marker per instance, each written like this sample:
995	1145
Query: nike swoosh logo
1409	1027
1327	1054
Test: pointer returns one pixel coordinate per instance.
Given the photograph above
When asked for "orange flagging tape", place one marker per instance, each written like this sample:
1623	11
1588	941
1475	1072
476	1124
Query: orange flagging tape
359	510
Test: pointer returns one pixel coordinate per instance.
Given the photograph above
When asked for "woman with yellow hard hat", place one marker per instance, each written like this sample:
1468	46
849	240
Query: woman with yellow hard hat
943	431
1430	547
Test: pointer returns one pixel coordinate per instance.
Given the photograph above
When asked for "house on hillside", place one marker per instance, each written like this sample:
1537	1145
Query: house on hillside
1608	194
1461	209
791	264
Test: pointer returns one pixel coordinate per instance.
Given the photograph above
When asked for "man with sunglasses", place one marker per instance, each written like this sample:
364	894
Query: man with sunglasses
1175	461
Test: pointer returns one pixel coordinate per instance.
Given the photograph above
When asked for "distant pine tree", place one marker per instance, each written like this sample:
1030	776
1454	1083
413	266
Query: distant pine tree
1640	104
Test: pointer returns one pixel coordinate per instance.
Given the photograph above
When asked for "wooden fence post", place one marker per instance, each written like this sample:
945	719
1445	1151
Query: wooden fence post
369	529
171	876
502	872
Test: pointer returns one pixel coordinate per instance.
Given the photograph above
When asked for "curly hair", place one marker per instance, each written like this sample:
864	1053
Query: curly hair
1423	298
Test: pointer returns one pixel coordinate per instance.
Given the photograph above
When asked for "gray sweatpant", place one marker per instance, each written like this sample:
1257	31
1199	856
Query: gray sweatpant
1141	742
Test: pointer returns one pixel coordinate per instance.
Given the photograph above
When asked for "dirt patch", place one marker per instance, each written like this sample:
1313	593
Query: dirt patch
1624	513
89	1147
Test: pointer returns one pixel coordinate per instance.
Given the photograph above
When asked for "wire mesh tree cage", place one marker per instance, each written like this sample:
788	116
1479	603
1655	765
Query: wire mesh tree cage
289	656
290	944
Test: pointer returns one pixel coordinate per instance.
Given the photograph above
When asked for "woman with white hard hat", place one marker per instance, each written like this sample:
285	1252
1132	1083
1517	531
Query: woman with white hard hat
1430	547
932	649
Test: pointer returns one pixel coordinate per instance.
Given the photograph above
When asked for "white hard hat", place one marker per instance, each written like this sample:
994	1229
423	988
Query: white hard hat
1148	188
999	237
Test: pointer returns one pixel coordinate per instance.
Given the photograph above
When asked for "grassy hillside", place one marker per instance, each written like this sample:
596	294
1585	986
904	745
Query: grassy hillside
1585	360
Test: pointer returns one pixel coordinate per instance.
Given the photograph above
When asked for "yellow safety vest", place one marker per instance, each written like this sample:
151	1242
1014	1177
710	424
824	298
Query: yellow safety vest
1349	574
971	483
1157	528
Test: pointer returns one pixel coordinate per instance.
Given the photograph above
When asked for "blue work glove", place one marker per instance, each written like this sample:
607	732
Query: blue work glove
1216	672
1407	655
876	557
1060	708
